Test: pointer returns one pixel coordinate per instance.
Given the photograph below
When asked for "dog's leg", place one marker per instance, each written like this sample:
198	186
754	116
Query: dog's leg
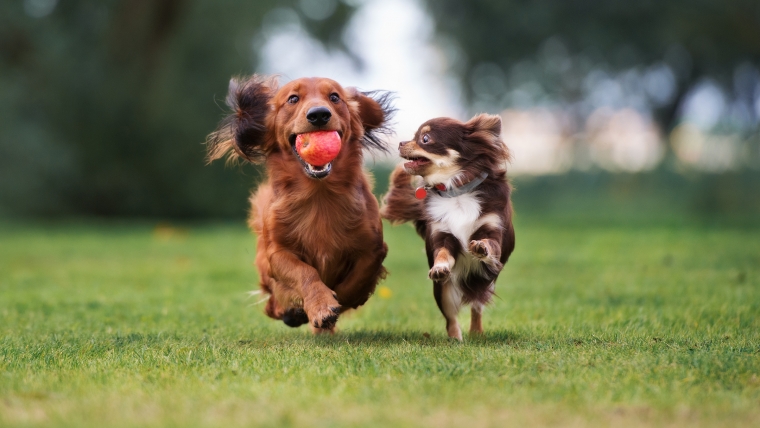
476	320
361	281
442	265
295	317
476	312
319	302
272	309
485	244
445	248
290	315
449	299
448	296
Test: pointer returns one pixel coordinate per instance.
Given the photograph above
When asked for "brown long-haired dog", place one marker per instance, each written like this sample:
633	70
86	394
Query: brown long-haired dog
462	209
320	242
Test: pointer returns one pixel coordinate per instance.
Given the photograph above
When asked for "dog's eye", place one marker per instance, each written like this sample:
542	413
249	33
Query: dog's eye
293	99
425	139
334	97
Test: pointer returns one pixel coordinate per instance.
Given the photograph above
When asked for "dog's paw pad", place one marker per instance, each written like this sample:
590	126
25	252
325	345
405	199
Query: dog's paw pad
326	318
326	323
439	273
329	322
478	249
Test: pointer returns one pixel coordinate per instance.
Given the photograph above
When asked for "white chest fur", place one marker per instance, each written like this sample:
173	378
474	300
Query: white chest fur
461	217
457	216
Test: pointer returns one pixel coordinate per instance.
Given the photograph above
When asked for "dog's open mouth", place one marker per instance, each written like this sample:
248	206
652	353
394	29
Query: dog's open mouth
313	171
415	162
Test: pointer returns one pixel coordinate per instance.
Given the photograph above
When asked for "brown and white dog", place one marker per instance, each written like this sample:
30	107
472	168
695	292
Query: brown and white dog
320	242
462	209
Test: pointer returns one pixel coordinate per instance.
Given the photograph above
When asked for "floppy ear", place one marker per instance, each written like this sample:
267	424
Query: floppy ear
242	134
375	109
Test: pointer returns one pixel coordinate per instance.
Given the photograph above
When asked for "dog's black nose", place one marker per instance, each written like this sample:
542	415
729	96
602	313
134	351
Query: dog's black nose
318	116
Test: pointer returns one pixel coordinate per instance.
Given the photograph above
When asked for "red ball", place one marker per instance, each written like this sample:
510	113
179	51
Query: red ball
318	148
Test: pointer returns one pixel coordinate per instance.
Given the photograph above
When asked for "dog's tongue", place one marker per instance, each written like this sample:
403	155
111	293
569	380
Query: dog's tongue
318	148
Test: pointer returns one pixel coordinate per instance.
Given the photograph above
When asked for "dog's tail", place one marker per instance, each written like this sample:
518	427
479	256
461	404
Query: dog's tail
399	204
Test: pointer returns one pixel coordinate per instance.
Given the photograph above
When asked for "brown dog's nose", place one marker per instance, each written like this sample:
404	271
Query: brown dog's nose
401	144
318	116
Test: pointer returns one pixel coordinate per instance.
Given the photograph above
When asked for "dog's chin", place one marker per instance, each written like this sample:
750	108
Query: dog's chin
313	171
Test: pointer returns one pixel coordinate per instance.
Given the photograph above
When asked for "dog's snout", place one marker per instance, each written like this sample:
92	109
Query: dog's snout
318	116
401	144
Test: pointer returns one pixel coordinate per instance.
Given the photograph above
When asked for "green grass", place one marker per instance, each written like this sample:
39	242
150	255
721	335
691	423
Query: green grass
131	325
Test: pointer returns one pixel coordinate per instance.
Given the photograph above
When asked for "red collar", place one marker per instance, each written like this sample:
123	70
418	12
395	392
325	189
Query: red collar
422	191
441	190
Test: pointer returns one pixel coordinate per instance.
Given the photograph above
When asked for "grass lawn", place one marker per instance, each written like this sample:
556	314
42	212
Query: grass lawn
137	325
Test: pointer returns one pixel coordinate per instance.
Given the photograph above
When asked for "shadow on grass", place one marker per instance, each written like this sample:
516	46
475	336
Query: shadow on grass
536	341
65	341
385	338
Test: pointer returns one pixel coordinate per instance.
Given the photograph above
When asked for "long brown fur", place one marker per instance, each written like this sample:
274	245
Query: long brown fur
319	240
447	152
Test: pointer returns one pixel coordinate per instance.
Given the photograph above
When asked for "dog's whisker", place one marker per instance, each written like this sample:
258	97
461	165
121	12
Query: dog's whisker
253	293
259	302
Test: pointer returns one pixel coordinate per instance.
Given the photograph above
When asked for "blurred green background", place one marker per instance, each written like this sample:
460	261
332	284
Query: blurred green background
632	297
104	105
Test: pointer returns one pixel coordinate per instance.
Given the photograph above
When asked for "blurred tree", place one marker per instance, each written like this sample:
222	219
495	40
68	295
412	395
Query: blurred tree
104	105
498	44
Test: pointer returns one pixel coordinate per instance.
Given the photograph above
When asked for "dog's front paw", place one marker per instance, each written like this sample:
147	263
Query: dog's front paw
326	319
488	253
479	248
295	317
439	272
324	314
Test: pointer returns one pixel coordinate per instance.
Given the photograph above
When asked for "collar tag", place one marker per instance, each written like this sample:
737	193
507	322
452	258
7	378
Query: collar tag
420	193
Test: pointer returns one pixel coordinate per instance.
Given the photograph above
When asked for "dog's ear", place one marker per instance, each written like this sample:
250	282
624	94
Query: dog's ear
486	128
370	111
375	110
242	134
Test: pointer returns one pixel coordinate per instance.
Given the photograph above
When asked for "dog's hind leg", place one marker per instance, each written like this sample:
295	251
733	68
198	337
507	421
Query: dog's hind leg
476	321
449	299
360	283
